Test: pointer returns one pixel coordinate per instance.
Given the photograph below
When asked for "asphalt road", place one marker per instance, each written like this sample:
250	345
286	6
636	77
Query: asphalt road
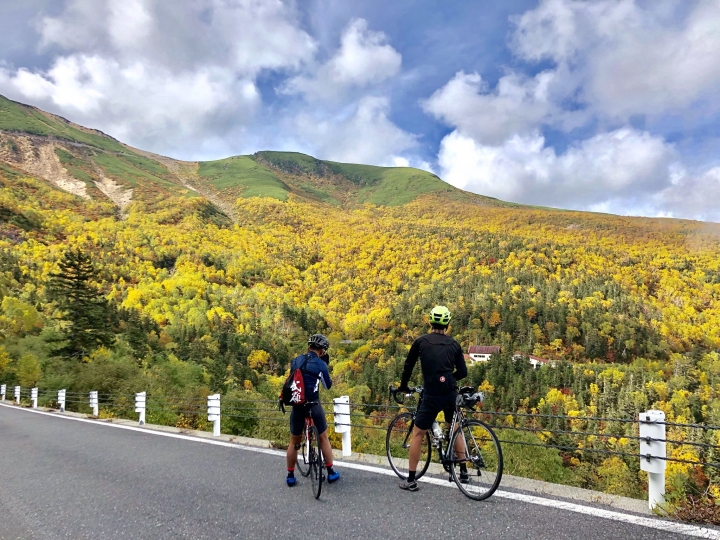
64	479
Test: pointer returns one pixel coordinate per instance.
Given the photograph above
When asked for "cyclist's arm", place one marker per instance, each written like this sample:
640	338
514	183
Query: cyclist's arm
324	375
460	365
410	361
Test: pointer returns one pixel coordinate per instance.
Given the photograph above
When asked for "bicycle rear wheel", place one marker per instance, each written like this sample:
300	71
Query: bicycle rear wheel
315	461
303	459
397	446
483	459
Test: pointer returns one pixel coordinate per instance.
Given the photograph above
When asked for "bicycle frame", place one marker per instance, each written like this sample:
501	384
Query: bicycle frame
444	453
309	423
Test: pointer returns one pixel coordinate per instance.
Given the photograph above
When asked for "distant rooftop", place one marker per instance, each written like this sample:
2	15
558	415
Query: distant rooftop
484	349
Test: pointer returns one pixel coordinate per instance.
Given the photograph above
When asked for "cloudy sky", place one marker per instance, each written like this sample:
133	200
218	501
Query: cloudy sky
604	105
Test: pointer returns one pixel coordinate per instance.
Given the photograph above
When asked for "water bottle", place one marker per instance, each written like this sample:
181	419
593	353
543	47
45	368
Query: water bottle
437	430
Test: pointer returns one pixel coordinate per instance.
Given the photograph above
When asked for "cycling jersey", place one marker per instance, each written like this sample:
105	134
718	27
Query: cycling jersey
441	360
314	372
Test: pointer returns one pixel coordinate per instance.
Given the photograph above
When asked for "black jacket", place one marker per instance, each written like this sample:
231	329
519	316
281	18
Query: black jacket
441	360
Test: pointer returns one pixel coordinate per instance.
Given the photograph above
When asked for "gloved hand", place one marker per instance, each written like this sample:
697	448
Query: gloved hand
325	358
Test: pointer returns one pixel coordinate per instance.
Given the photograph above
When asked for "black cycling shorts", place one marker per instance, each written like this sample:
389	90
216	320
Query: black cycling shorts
297	419
431	406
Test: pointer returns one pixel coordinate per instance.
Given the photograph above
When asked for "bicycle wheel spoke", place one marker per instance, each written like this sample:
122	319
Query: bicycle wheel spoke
397	445
315	465
303	459
480	451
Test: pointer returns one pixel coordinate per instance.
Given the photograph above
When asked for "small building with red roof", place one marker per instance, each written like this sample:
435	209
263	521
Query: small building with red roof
482	353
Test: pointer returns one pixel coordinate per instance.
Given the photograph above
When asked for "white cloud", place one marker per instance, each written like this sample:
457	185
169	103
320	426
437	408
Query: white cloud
516	106
693	196
343	112
246	36
613	168
629	59
363	59
402	161
134	101
158	75
612	62
181	79
365	135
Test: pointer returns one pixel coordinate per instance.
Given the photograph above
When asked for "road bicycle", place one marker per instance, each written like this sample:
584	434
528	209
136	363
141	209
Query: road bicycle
482	454
310	461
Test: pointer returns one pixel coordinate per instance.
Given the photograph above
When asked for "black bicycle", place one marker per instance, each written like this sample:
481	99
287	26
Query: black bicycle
480	448
310	460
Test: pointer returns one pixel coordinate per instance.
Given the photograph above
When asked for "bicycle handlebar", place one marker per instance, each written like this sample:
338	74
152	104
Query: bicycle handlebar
397	394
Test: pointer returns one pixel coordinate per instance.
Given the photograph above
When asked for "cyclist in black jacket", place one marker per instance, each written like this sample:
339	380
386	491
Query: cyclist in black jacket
443	364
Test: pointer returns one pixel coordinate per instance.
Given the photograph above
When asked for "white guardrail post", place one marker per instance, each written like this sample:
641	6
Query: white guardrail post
17	395
213	404
341	408
94	402
140	399
33	397
61	400
3	387
653	450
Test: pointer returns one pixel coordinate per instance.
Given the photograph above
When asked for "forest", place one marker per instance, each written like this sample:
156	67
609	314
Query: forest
176	299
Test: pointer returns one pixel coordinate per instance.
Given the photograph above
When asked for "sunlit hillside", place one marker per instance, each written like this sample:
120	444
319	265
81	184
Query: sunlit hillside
206	277
93	165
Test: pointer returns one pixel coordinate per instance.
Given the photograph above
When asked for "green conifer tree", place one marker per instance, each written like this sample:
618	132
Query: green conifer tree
83	307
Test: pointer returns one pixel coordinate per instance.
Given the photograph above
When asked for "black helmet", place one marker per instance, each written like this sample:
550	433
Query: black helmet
319	341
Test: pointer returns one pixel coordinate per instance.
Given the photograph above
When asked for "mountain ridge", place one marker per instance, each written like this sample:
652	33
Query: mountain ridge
93	165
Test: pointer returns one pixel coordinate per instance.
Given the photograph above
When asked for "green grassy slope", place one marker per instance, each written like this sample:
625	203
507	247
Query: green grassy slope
137	172
23	118
267	174
400	186
389	186
242	176
292	162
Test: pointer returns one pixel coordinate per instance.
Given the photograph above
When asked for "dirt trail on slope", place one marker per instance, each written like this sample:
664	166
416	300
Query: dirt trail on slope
186	173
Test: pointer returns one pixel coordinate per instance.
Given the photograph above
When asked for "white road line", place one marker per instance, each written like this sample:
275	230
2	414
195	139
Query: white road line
658	524
152	432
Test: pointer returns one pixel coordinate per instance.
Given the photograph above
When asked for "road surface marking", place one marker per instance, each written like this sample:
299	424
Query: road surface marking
658	524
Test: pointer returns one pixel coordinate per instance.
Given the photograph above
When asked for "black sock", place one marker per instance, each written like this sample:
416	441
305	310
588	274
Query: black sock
329	469
411	476
291	473
463	468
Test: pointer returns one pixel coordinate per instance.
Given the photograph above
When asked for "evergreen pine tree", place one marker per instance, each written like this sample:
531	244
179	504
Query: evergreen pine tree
83	307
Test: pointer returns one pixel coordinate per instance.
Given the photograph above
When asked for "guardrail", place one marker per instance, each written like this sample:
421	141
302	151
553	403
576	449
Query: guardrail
644	438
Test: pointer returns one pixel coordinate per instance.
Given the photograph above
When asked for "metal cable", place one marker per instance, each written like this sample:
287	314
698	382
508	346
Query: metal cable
159	404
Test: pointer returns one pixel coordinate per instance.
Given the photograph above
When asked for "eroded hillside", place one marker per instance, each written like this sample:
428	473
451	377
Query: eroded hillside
93	165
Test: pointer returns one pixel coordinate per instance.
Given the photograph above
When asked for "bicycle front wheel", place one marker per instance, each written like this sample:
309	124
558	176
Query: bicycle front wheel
397	446
315	461
303	459
483	457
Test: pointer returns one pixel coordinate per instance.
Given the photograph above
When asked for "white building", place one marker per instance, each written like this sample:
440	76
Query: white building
482	353
535	361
